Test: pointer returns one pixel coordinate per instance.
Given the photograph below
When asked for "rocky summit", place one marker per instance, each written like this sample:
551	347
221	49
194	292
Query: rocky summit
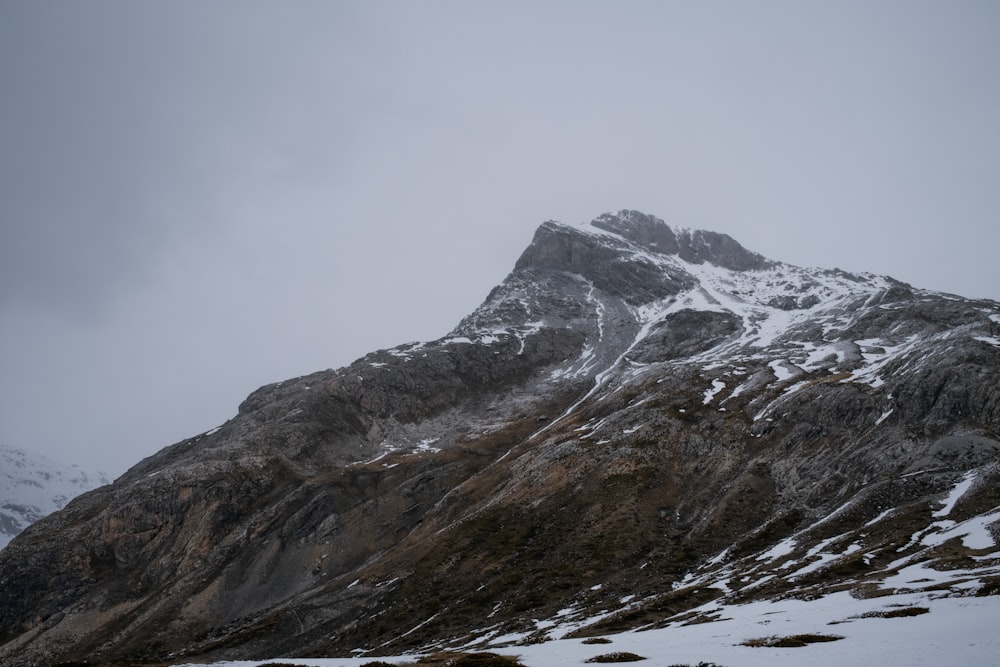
639	421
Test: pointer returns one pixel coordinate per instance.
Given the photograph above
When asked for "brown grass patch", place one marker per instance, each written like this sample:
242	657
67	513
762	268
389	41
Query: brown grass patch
449	659
791	641
897	613
618	656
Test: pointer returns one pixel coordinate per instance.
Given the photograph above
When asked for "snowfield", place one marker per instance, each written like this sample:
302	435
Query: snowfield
956	631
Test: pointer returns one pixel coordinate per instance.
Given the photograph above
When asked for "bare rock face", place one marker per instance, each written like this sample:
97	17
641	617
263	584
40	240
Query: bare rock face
638	420
693	246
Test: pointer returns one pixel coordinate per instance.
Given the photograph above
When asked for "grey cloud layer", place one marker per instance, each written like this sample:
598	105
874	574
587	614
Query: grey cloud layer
199	198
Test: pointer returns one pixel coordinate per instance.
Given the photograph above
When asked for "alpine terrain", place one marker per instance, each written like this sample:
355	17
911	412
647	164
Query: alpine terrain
639	425
32	486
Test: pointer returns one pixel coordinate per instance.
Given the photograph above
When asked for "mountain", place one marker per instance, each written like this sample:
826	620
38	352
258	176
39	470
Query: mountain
32	486
639	425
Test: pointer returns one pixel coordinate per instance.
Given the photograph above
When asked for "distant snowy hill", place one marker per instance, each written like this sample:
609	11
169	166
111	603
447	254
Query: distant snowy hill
32	486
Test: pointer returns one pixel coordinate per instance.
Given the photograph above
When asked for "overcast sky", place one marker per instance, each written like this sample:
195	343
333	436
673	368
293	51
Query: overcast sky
200	198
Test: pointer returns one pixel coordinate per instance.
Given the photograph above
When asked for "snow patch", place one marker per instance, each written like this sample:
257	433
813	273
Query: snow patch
779	550
975	532
425	445
956	494
883	416
782	370
957	631
717	386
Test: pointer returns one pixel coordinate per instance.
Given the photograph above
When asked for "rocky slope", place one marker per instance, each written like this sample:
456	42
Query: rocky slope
638	421
32	486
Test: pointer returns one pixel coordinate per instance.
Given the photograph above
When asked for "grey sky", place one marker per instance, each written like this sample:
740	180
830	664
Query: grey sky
199	198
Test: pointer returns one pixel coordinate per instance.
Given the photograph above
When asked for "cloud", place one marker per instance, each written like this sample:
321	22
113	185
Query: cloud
125	128
199	198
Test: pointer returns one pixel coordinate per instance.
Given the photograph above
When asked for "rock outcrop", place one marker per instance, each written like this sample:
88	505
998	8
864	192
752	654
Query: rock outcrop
638	420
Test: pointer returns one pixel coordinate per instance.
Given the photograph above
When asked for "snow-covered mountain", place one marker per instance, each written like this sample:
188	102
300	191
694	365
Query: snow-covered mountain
642	427
32	486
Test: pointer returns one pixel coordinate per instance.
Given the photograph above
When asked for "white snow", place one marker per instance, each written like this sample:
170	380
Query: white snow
32	486
824	557
717	386
779	550
425	445
782	370
992	340
522	333
956	494
880	517
974	532
387	447
405	350
878	353
956	631
588	358
817	353
883	416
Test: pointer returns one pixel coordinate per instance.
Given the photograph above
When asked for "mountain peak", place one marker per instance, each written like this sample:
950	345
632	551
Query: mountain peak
609	260
693	246
623	253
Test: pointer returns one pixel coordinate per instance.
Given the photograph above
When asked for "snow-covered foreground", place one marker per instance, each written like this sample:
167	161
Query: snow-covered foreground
956	631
